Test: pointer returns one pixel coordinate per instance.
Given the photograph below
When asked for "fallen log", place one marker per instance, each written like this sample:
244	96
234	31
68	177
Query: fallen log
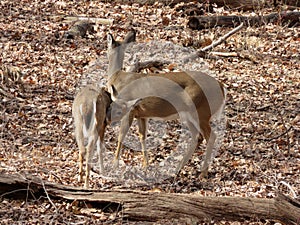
102	21
149	206
243	5
204	22
252	4
232	4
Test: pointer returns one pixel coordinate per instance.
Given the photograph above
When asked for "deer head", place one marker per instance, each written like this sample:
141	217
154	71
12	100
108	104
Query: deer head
116	51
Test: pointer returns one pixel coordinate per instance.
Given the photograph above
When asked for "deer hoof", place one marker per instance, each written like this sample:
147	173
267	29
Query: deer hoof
86	185
145	164
101	169
80	178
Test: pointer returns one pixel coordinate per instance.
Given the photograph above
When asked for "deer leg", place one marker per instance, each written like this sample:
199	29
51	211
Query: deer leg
192	147
125	125
89	151
142	124
101	147
210	138
82	151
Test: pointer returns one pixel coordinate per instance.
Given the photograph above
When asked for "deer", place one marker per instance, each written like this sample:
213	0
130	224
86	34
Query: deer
89	112
192	96
91	117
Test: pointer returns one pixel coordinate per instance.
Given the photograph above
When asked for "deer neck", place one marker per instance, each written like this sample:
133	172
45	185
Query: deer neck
115	60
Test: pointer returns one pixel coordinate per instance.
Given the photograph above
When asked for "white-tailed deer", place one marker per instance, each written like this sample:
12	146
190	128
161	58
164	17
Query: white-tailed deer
89	112
193	96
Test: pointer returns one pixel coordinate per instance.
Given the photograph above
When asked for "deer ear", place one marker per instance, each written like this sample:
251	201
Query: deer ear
130	37
110	40
114	92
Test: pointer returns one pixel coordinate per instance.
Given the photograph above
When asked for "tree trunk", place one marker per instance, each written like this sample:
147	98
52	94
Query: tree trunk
244	5
204	22
232	4
151	2
252	4
147	206
288	2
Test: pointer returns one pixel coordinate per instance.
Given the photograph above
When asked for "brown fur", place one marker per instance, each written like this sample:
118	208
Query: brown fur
89	111
199	89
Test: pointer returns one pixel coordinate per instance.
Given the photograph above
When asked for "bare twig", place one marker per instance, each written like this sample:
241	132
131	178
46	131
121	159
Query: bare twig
203	53
264	107
138	66
13	191
225	54
51	202
289	187
278	136
214	44
222	39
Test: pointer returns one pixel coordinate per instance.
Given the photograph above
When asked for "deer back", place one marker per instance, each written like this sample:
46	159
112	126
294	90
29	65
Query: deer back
90	106
166	94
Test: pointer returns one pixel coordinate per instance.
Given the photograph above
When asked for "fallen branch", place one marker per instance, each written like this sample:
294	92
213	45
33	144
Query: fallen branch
204	22
250	4
277	136
138	66
232	4
222	39
202	52
47	195
289	187
224	54
242	55
149	207
91	19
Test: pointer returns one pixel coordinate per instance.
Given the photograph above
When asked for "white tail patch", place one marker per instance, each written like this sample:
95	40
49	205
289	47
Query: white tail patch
84	128
90	128
218	113
94	118
92	131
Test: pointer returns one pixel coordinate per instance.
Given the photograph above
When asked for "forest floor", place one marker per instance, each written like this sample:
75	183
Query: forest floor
260	151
